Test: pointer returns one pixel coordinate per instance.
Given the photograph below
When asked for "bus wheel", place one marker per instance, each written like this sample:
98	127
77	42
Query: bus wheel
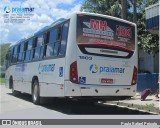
14	92
35	93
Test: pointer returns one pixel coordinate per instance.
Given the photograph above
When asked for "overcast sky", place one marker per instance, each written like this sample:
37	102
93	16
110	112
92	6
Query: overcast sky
46	12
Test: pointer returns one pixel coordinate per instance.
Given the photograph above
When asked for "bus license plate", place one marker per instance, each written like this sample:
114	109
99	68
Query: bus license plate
106	81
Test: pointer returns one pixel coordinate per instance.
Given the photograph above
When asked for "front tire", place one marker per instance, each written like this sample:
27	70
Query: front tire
36	93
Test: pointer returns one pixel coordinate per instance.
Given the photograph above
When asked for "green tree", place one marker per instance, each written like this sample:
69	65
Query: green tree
3	52
107	7
146	40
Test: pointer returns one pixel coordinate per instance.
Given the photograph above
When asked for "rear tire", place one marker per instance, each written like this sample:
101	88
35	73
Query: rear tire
36	93
14	92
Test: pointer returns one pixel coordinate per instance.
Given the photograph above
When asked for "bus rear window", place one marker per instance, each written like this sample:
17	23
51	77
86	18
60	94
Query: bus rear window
105	33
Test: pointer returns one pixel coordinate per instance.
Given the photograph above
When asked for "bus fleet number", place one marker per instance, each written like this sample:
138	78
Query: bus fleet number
85	57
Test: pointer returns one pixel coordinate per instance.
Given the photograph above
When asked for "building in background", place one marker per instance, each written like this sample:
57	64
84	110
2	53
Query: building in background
152	18
150	62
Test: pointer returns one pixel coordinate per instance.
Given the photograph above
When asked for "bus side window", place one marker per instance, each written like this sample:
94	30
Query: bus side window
57	42
56	48
59	33
7	60
28	48
18	51
64	39
52	35
11	55
46	40
14	56
27	53
42	47
33	48
25	49
38	44
20	55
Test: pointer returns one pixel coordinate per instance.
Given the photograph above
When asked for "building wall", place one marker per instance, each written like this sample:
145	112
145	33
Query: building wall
152	18
148	62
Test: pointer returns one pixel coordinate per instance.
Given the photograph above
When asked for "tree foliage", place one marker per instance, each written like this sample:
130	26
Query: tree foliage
146	40
107	7
3	52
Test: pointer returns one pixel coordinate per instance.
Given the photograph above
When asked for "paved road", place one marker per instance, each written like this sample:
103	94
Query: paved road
21	107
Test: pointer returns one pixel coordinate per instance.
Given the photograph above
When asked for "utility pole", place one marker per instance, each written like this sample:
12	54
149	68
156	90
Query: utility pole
134	11
124	9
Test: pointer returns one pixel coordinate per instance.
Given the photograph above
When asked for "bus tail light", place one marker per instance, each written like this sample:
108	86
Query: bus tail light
134	77
74	72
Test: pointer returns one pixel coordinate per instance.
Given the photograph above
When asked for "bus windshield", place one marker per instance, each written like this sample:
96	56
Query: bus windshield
105	34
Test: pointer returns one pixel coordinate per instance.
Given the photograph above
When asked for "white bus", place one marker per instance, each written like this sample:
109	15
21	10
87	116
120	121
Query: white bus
83	56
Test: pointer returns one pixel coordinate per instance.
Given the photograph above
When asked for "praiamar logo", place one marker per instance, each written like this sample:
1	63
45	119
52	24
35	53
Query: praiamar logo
18	9
44	68
106	69
7	9
93	68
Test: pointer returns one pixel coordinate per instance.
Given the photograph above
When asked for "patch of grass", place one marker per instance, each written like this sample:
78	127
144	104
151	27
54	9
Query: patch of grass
150	106
2	80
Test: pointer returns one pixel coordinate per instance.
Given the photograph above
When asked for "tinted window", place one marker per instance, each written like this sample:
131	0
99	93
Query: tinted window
53	36
11	56
21	52
47	37
20	57
22	47
28	45
15	50
14	56
64	39
56	48
49	51
38	46
59	33
40	41
41	51
37	53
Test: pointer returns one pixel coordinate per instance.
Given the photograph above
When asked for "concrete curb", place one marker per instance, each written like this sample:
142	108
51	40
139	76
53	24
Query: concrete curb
147	108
